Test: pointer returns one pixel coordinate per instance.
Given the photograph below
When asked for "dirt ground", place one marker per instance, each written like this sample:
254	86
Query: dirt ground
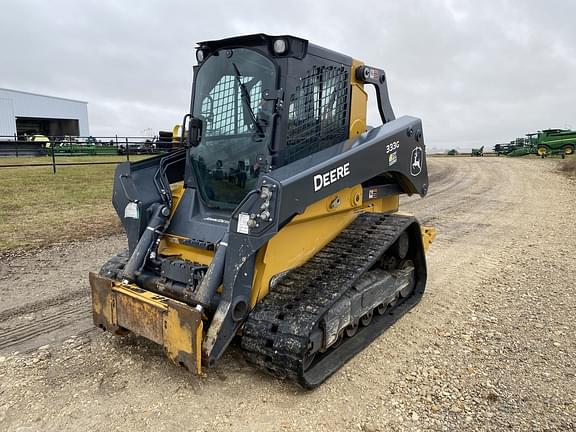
490	347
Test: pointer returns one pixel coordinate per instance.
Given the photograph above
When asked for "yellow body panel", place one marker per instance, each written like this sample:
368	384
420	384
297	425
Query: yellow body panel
358	103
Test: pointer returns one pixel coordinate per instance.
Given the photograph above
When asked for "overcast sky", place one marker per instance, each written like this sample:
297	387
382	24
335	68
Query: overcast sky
476	72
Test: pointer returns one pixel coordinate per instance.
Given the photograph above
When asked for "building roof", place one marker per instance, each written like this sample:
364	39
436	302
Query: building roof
41	95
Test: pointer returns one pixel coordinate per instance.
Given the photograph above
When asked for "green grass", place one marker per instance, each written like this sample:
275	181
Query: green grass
38	208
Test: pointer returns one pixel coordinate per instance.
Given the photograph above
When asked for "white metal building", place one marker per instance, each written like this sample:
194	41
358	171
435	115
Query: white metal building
29	113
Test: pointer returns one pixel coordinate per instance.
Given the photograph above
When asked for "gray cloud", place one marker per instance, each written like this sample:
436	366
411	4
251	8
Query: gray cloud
476	72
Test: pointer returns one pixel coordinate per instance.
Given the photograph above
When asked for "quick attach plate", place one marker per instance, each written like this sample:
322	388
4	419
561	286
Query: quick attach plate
119	308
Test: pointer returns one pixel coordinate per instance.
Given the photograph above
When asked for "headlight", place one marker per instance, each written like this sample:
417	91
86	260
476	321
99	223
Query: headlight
280	46
200	55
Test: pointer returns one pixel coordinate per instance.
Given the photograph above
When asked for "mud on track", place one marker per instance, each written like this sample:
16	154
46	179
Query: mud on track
490	347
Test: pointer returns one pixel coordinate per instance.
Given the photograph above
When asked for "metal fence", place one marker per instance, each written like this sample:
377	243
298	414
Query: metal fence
55	147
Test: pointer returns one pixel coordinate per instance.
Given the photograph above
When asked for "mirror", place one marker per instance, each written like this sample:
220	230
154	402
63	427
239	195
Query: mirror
194	131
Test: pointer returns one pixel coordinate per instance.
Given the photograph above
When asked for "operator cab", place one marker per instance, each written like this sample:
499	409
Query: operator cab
263	102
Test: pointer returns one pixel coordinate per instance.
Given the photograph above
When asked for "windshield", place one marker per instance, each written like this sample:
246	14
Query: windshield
228	99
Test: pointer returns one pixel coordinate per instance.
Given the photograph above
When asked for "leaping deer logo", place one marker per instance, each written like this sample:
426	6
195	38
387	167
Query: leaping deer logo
416	163
416	166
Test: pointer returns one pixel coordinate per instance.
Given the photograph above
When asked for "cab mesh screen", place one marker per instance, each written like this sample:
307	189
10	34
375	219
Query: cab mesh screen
317	114
223	109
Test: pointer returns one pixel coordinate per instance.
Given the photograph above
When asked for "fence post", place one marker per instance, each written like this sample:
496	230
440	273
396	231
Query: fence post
16	142
127	150
53	161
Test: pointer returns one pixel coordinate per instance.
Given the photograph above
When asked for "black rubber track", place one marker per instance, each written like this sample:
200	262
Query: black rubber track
277	333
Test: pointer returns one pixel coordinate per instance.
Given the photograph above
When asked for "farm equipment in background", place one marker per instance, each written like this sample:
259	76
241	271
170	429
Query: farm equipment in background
502	149
477	152
276	222
516	147
165	140
25	146
522	151
554	141
452	152
506	149
138	148
76	146
43	139
42	145
543	143
168	140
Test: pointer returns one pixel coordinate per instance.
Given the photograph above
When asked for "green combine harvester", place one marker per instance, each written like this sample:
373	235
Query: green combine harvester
554	141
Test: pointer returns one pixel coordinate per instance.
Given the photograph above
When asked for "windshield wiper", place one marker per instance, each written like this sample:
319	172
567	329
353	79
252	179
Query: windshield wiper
245	96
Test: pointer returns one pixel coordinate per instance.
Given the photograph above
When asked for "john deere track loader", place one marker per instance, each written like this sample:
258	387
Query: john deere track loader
276	222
